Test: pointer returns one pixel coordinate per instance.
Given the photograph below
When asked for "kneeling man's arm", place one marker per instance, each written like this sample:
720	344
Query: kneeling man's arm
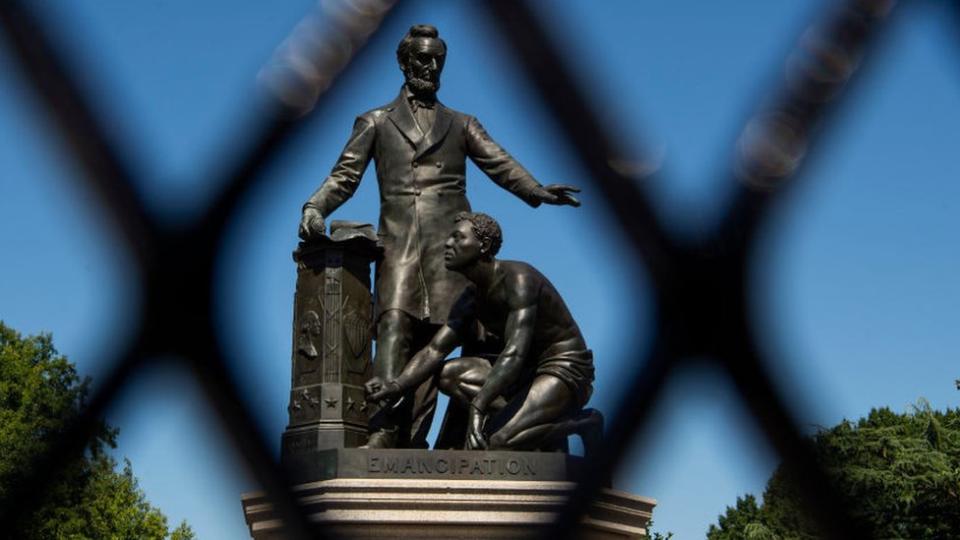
426	362
509	365
418	369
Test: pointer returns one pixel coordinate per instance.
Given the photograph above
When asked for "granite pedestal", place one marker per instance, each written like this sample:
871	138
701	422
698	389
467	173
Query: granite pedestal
357	493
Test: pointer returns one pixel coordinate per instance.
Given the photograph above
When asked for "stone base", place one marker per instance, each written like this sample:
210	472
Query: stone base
298	445
454	509
390	494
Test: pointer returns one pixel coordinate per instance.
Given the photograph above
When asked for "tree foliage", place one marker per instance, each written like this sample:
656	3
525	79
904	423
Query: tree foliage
651	535
40	392
183	532
899	473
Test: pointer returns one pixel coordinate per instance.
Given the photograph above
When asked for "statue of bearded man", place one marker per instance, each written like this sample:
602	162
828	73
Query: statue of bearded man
420	148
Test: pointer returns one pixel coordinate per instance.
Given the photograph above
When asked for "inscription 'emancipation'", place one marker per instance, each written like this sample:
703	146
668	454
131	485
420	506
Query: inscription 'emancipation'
456	466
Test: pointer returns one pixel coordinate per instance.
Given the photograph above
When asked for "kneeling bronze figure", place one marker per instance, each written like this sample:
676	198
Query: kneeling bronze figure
526	373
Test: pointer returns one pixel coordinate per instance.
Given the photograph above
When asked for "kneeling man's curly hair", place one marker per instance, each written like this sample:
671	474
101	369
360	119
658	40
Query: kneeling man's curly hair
486	228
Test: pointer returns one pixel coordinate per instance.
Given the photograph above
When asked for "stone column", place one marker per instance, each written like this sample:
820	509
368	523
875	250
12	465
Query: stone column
332	323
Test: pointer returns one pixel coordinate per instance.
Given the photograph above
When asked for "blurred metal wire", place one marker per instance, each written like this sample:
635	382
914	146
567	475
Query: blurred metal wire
702	284
175	266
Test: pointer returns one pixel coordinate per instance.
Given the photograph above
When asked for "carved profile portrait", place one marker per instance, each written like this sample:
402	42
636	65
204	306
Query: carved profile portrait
310	329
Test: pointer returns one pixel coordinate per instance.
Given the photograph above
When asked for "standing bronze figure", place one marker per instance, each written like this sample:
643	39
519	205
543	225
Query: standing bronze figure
420	149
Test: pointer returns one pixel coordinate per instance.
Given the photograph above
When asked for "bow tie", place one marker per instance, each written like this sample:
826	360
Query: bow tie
418	103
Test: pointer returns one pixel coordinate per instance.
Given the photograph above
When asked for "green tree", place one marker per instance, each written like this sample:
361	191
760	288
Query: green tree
656	535
40	392
735	524
183	532
899	473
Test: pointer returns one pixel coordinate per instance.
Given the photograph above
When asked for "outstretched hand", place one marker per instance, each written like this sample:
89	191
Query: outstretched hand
559	194
311	225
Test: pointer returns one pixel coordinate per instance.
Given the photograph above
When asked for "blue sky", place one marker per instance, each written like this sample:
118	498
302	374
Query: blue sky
857	295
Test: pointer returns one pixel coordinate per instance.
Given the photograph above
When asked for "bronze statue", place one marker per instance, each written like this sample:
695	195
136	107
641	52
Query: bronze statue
543	374
420	149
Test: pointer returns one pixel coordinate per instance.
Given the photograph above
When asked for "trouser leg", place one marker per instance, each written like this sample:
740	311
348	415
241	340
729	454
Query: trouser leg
421	416
424	403
394	337
399	337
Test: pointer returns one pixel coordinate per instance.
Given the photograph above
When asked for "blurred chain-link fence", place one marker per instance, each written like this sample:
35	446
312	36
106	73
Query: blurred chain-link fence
702	284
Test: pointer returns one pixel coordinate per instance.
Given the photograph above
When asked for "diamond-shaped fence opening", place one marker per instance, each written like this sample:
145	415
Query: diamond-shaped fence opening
702	284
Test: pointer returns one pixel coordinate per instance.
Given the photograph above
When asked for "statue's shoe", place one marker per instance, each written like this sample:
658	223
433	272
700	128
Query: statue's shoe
382	439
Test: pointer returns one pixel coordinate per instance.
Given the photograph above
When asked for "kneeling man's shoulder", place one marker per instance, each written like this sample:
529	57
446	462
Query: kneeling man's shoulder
522	279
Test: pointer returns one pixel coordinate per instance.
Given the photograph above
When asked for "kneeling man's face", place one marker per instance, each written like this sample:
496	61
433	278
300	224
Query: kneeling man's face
463	248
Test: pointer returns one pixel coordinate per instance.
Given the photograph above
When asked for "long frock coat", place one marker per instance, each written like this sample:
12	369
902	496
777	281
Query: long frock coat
422	181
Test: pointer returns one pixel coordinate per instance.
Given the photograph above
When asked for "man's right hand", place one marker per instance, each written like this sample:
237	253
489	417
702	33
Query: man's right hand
379	391
558	194
311	225
476	422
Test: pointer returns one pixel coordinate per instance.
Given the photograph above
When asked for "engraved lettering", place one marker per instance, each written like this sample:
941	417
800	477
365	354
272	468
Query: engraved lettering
431	465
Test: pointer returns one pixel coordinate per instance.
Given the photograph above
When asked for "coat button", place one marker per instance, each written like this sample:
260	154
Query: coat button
439	164
416	192
415	164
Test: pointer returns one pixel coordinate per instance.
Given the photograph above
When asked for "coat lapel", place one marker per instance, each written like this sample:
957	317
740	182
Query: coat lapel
439	130
402	117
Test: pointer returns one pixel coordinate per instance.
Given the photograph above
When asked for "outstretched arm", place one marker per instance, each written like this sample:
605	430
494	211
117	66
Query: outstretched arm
500	166
343	179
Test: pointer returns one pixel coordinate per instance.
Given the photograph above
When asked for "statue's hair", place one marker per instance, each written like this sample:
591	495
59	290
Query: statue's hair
486	228
417	31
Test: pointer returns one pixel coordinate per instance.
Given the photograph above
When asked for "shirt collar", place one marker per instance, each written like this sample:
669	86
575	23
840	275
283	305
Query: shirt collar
415	102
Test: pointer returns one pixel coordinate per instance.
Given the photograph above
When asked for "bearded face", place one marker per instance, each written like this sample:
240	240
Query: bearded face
423	66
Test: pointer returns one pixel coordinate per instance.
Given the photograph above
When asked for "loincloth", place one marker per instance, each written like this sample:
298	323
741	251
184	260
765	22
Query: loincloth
574	368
